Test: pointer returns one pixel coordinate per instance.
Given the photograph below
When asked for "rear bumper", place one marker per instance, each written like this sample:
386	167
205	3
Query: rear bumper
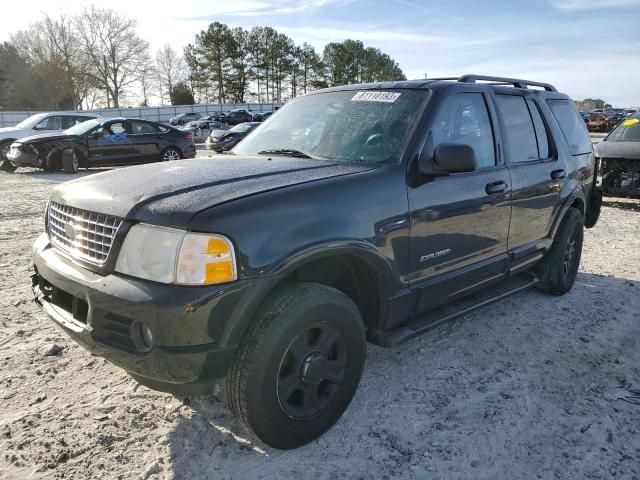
103	313
189	151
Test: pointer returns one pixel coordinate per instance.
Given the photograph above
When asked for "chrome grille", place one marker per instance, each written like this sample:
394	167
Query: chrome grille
83	235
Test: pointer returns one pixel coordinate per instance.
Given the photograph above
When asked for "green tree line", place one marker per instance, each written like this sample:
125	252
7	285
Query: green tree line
96	59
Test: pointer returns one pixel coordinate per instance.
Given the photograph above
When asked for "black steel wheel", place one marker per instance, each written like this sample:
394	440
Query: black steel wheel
298	366
312	370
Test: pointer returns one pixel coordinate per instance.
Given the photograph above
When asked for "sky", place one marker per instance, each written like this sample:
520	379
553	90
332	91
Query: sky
586	48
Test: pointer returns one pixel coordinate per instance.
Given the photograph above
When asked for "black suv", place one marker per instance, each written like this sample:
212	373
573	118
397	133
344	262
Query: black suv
235	117
363	212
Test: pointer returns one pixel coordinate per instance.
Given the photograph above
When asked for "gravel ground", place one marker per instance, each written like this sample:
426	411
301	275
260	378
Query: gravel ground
530	387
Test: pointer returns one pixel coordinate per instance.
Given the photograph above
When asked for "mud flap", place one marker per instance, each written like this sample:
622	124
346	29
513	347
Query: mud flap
593	210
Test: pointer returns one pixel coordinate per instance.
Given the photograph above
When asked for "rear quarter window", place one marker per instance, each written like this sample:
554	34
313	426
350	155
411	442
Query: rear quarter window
572	126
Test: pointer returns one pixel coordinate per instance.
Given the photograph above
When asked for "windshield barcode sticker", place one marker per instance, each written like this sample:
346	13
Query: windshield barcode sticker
373	96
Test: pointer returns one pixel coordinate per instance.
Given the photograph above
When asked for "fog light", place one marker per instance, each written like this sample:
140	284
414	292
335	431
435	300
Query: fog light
141	336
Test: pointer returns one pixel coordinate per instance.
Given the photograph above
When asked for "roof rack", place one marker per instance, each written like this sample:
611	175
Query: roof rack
516	82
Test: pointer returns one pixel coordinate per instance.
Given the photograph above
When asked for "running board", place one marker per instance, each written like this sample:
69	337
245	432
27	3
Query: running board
419	325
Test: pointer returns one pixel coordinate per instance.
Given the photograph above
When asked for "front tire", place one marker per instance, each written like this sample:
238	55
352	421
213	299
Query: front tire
560	267
70	161
298	366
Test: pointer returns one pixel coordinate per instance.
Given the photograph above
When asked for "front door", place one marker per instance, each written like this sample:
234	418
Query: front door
110	143
460	222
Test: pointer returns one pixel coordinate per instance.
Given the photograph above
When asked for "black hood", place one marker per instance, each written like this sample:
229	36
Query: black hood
171	193
628	150
45	137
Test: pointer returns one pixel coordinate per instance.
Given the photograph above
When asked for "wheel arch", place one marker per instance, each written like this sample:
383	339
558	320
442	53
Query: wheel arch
356	271
575	200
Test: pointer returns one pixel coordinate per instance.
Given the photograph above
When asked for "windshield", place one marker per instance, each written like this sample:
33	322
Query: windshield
82	128
363	126
243	127
627	131
31	121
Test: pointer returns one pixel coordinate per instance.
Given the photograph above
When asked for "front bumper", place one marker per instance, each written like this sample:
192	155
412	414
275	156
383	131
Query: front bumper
190	346
24	158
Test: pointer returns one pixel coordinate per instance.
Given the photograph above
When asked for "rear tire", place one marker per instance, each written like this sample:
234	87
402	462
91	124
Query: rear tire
70	161
298	366
170	154
559	268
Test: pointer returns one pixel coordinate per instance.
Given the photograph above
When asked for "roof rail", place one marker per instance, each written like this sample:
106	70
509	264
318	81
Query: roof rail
518	83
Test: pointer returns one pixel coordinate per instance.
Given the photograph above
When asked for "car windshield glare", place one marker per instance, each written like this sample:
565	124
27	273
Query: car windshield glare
348	125
32	121
627	131
240	128
82	128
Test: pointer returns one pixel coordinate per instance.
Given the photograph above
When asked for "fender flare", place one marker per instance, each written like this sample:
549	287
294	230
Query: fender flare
274	276
576	194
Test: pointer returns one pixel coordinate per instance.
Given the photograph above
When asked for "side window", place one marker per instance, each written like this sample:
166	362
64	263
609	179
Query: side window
572	126
50	123
541	131
463	118
141	128
67	122
520	136
78	120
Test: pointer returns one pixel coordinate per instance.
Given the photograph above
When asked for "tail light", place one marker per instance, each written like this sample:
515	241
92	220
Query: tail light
190	137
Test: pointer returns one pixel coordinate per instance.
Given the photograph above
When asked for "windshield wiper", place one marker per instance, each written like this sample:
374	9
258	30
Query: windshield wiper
285	152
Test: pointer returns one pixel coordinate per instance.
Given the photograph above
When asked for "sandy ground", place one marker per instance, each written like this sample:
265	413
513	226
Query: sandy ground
528	387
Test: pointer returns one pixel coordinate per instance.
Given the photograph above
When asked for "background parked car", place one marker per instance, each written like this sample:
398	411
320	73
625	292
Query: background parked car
224	140
238	116
261	116
41	122
185	118
619	157
201	129
103	142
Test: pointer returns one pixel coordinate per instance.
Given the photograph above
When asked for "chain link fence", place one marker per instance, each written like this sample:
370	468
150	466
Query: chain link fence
157	114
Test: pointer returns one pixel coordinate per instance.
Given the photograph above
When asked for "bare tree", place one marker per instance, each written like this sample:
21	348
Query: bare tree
171	69
52	48
113	50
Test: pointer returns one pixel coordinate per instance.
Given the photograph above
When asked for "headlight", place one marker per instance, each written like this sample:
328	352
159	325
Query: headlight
169	255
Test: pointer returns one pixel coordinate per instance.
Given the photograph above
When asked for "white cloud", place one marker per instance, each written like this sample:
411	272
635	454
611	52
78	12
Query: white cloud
593	4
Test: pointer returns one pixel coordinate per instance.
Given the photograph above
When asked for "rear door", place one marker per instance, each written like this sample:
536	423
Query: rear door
145	141
460	222
537	174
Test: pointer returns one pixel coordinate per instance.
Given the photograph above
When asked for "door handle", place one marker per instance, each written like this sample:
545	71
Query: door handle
494	188
558	174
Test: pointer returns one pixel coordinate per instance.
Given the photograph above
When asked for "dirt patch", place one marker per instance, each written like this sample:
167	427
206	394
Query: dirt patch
530	387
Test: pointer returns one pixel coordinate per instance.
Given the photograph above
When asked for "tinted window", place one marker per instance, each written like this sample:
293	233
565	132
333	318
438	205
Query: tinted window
572	126
519	133
541	131
140	128
463	118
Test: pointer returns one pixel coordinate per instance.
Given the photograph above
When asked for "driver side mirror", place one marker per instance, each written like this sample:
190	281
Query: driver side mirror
449	158
95	134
